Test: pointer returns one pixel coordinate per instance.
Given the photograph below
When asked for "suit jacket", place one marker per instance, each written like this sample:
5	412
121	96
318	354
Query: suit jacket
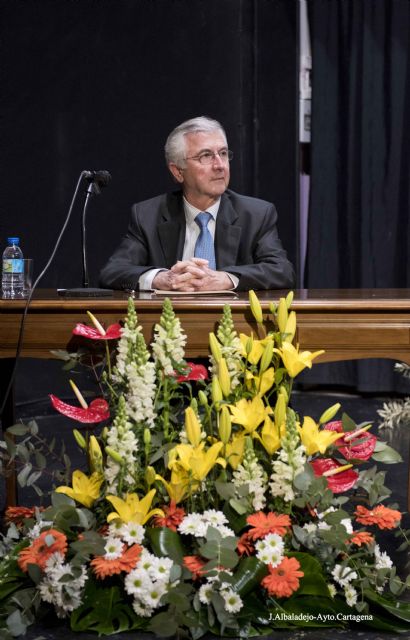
246	243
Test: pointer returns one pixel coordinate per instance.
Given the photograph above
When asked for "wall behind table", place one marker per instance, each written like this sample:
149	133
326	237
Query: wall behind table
98	84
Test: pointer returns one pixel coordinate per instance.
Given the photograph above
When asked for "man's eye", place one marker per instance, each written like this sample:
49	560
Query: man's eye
206	156
223	154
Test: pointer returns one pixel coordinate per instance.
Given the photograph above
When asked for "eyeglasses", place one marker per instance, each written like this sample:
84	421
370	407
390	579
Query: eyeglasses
207	157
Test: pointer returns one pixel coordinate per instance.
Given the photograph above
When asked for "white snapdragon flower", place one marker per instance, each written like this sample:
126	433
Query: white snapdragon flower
251	473
289	463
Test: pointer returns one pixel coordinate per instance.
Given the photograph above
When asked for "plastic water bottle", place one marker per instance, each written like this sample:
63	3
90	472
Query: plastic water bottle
12	281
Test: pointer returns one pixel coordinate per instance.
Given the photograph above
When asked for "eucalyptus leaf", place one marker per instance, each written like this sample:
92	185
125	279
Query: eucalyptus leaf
387	455
166	542
18	429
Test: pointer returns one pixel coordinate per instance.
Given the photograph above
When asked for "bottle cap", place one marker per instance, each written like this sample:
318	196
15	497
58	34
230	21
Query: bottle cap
13	240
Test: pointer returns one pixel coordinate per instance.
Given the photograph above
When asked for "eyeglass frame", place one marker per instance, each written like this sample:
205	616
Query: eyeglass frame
199	157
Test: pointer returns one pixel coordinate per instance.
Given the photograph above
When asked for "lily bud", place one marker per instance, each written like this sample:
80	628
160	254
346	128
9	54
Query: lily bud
289	299
95	454
202	398
249	345
272	308
79	395
224	377
114	455
215	347
282	316
255	307
150	475
225	424
194	404
96	323
192	427
104	433
290	328
79	438
280	410
283	392
147	436
329	413
216	390
266	357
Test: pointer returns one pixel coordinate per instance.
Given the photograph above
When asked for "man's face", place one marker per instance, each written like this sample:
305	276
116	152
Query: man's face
203	183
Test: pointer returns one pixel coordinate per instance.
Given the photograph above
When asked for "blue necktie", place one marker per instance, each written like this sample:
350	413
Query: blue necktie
204	247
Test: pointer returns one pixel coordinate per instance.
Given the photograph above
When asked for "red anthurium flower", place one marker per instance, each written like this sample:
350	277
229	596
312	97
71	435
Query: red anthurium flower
112	333
97	410
358	447
195	372
339	482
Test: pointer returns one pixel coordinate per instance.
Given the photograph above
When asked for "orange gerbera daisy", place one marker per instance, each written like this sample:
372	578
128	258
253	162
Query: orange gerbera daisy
380	515
172	518
361	537
194	564
17	515
104	567
283	580
264	523
245	546
48	542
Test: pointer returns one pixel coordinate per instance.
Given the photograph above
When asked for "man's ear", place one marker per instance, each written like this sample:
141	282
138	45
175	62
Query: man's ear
176	172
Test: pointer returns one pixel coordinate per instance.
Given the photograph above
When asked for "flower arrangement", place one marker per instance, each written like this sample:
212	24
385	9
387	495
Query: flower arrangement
205	503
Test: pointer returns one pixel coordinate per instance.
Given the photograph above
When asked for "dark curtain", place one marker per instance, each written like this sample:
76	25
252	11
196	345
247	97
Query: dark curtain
99	84
359	209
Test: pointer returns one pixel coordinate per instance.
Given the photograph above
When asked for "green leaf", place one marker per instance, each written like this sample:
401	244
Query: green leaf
165	542
163	625
18	429
347	423
105	612
248	575
313	582
388	455
23	474
396	609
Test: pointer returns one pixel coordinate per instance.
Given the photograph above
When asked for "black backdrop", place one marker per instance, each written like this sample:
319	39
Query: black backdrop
98	84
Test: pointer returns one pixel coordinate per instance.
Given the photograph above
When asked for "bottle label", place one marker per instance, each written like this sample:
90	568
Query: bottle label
13	265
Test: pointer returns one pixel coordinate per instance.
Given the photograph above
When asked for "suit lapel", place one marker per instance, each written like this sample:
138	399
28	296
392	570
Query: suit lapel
227	234
172	230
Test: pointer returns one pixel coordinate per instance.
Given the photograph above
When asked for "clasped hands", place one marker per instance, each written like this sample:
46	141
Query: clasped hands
192	275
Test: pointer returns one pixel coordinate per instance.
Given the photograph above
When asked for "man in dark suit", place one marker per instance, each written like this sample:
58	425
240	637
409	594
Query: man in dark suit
204	237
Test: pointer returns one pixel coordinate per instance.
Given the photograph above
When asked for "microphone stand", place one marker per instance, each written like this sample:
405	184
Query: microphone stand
94	188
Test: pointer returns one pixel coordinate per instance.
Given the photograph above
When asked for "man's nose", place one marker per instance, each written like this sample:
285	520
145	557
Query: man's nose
217	161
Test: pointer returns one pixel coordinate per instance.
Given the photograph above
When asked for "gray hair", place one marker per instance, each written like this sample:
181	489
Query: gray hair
175	144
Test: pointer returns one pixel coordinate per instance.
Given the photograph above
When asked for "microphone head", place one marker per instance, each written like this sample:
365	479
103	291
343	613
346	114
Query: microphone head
101	177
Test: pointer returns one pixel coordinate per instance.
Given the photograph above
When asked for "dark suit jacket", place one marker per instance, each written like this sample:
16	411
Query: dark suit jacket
246	243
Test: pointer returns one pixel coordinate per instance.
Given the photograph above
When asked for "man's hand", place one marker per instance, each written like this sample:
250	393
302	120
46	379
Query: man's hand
192	275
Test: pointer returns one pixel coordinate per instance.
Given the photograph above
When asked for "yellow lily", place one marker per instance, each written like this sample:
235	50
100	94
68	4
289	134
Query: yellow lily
132	509
258	347
315	439
270	437
249	413
294	360
290	328
224	377
85	490
177	489
255	307
195	460
282	316
234	450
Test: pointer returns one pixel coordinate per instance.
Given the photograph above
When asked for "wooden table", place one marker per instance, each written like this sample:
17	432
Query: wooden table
348	324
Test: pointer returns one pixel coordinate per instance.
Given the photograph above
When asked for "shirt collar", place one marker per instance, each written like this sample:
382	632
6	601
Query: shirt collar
191	212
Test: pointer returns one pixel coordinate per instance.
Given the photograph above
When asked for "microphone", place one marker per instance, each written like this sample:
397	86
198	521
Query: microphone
97	180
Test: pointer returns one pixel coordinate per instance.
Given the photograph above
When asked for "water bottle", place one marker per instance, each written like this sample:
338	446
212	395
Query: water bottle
12	281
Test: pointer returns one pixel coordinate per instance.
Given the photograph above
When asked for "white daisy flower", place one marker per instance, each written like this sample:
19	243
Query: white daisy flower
350	595
233	602
193	524
343	575
132	533
142	609
214	517
137	582
113	548
205	593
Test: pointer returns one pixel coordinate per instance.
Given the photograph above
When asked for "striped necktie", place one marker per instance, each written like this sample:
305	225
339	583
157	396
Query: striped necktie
204	247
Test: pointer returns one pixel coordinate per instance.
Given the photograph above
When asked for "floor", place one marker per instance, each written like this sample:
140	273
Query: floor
33	403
